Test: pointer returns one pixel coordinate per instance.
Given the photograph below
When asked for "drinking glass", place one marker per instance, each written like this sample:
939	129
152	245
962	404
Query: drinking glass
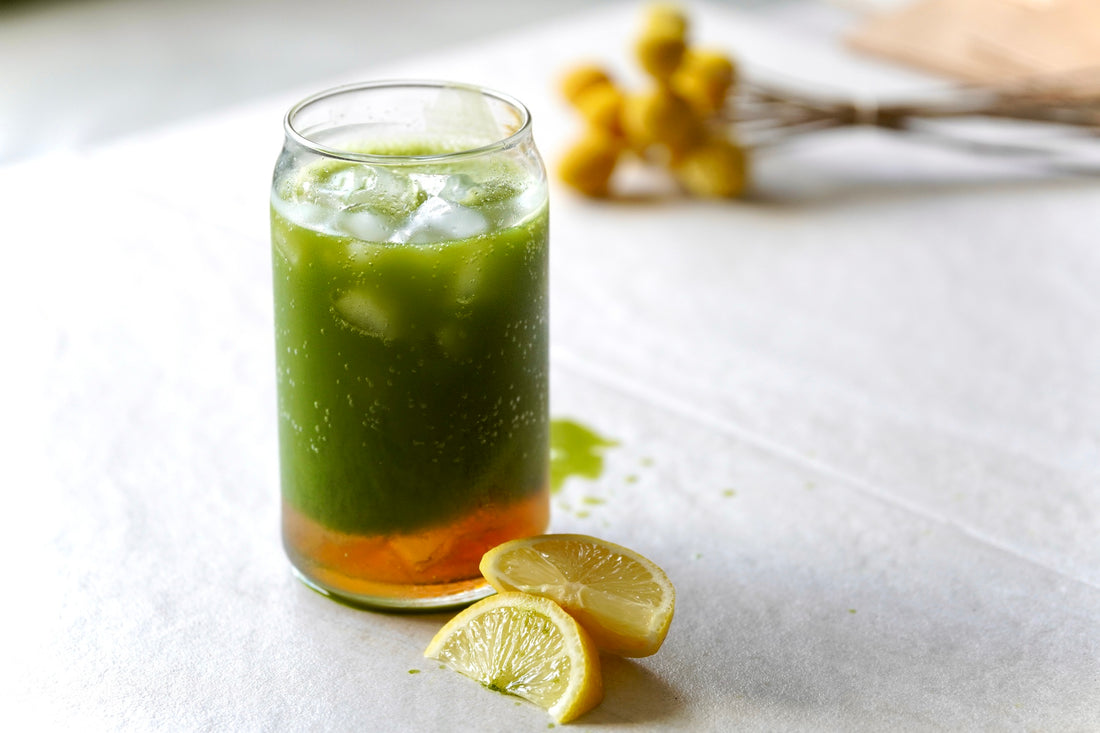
409	230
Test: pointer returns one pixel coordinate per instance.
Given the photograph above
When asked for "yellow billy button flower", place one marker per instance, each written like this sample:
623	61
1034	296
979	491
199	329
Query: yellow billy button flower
659	50
587	165
705	79
526	646
668	17
601	106
716	169
661	118
581	79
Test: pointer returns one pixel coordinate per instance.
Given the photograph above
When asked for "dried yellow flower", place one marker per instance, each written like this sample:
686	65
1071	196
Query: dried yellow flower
580	79
587	166
716	169
705	79
678	124
602	106
659	51
660	118
666	16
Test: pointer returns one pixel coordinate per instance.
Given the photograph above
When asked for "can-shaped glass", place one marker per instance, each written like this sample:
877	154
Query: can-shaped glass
409	231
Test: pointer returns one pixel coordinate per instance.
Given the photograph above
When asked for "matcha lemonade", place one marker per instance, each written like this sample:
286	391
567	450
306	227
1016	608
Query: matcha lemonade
410	283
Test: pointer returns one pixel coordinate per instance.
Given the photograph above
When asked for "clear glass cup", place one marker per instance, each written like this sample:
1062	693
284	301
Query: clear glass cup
409	230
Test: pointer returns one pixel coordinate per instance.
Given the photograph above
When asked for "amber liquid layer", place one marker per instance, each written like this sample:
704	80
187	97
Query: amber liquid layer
432	568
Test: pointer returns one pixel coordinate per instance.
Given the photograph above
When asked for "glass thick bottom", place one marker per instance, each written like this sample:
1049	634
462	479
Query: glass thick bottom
436	568
404	598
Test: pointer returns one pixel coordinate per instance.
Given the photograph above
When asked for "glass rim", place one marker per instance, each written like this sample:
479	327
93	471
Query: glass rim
383	159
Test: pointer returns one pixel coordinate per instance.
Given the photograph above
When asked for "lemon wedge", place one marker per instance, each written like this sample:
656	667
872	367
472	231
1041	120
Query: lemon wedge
623	600
526	646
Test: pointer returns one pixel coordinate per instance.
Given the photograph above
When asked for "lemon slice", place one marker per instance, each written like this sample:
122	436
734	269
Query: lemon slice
622	599
526	646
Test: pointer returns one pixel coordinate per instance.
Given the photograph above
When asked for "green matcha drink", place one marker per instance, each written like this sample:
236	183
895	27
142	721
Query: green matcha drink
409	247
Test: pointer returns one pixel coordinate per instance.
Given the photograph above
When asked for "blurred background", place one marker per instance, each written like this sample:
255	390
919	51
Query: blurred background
74	73
78	73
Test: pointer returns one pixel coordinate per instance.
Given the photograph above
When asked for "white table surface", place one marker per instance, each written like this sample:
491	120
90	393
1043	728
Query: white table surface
890	356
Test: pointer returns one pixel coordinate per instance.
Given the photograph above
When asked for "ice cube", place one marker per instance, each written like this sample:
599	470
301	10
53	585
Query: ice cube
467	281
296	211
309	216
385	191
362	311
328	186
364	224
356	186
439	220
469	191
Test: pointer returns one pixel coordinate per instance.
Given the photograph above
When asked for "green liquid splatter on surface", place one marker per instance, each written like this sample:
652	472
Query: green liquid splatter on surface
728	493
414	671
575	450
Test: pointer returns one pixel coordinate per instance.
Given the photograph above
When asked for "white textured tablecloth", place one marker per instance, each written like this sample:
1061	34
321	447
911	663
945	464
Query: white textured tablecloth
858	422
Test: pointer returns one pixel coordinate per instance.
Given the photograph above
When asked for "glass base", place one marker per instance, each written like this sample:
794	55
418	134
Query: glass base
431	569
402	598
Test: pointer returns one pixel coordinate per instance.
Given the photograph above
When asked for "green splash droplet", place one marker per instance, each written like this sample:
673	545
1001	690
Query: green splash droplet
575	450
